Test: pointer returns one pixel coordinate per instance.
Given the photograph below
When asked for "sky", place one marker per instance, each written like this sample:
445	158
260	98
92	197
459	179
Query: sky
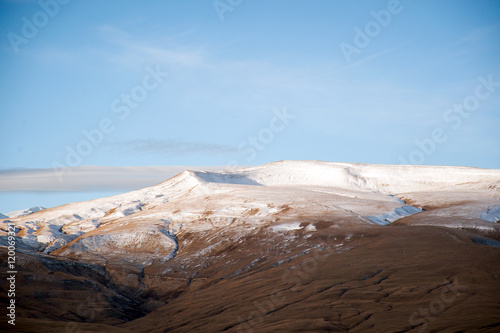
96	85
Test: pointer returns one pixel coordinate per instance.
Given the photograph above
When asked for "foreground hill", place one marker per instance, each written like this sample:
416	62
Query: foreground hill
288	246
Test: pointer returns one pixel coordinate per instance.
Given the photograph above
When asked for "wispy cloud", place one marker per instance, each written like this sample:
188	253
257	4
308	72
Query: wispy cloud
364	60
174	53
172	147
91	178
135	51
476	34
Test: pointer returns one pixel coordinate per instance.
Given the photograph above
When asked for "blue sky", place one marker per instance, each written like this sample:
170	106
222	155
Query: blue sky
216	83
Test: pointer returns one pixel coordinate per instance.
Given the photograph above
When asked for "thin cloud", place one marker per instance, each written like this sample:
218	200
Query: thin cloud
476	34
360	62
173	147
90	178
134	51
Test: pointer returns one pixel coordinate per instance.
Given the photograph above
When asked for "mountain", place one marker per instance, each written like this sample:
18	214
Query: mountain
251	249
19	213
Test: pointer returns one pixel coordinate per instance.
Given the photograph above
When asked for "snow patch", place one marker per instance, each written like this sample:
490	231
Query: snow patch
398	213
142	245
310	227
491	214
59	242
286	227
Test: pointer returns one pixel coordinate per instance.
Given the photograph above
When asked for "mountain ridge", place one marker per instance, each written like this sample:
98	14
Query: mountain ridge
373	240
309	178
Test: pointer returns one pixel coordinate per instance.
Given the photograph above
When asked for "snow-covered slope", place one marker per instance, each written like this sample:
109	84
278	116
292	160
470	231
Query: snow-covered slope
24	212
271	240
382	178
273	195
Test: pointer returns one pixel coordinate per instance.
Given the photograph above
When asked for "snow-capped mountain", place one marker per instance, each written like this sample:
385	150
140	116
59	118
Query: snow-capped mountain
24	212
278	193
198	231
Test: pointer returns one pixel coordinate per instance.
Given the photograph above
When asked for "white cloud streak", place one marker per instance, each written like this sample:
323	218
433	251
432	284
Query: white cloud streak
134	51
91	178
175	147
